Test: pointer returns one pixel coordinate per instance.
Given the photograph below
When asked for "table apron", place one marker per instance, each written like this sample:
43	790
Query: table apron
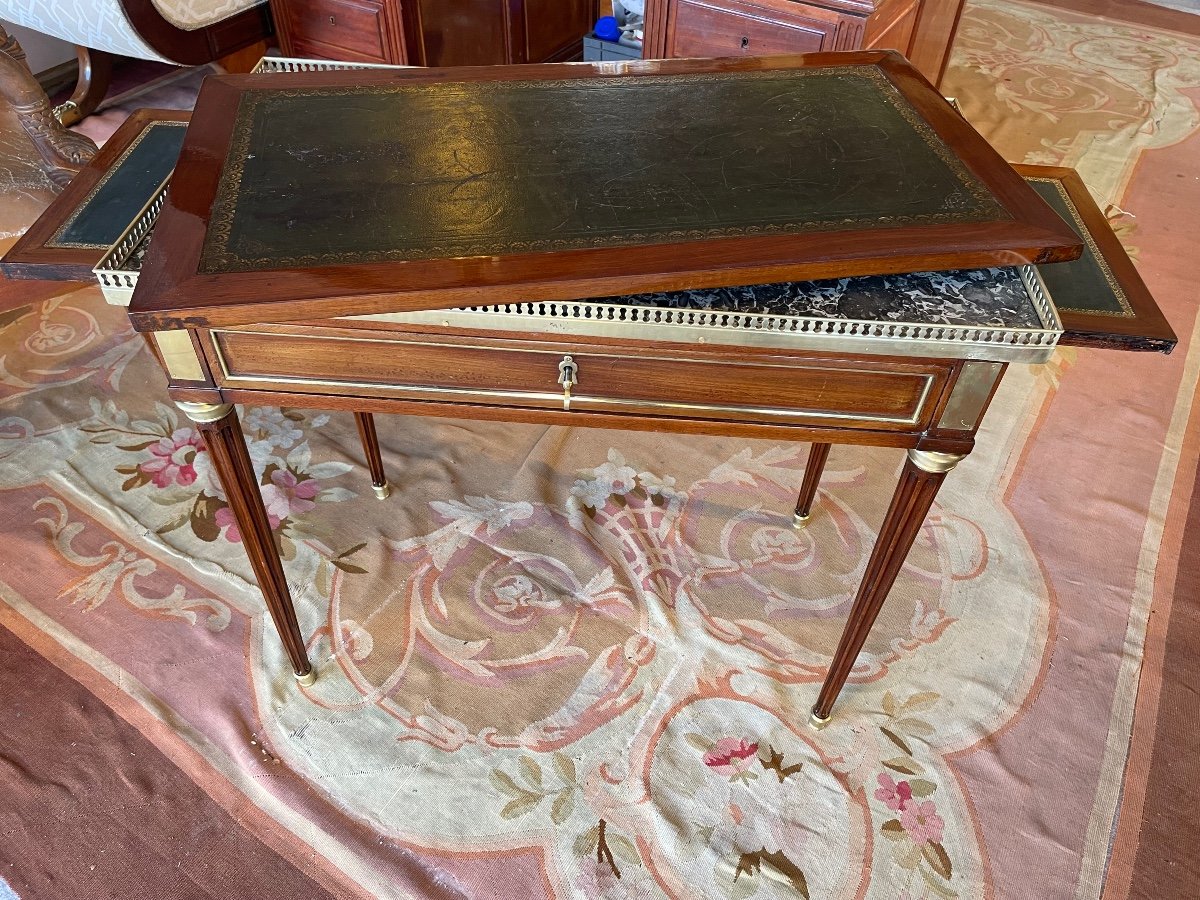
715	384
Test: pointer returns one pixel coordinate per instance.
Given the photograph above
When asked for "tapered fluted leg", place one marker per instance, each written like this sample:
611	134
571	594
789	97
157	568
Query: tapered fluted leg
370	445
222	432
923	474
812	479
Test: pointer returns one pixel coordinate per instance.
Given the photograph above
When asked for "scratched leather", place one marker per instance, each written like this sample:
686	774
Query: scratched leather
488	168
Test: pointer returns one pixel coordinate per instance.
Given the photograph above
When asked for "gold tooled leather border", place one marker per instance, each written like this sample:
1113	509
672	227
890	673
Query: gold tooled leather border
216	257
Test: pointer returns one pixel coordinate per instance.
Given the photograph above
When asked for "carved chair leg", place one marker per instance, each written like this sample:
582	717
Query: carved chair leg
812	478
923	474
95	75
62	152
222	432
370	445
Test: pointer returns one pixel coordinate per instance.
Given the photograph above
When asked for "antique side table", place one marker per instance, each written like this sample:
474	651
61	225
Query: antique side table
500	244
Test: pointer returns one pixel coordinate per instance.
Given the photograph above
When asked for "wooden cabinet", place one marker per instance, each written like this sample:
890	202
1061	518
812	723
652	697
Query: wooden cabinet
434	32
920	29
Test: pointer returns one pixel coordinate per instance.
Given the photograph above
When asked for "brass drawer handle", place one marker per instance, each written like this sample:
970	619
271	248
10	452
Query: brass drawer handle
568	376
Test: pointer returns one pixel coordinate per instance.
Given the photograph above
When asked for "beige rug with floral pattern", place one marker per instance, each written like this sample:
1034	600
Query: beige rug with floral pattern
572	663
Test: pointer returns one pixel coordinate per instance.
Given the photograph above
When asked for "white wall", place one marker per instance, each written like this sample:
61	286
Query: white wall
43	52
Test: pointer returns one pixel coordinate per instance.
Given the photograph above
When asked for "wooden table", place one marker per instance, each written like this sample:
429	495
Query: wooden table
321	227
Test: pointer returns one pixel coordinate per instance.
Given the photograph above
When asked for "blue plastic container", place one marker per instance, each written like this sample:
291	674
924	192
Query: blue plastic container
607	29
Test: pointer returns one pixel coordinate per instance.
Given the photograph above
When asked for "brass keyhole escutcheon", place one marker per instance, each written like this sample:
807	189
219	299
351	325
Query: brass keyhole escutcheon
568	376
745	42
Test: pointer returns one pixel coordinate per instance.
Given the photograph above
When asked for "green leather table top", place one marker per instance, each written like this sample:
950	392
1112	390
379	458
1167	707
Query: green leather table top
328	175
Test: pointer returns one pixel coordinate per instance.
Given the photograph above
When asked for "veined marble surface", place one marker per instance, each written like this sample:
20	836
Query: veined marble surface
984	297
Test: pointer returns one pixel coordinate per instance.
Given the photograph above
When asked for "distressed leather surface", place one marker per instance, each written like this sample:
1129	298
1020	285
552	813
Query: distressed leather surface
344	175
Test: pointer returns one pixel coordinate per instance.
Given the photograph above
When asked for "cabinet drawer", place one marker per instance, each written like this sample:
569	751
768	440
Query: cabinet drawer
344	29
716	385
734	28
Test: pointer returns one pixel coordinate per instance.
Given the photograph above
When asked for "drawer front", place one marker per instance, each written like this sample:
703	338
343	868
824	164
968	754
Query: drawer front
730	28
350	29
720	385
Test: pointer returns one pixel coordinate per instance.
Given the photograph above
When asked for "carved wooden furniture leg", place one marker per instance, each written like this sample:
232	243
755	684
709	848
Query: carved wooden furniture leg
812	478
924	472
95	74
62	152
222	432
370	445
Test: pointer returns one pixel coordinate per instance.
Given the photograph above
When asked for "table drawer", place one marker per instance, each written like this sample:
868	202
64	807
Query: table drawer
718	383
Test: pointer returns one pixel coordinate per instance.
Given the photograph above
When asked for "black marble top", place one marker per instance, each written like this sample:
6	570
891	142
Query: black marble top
984	297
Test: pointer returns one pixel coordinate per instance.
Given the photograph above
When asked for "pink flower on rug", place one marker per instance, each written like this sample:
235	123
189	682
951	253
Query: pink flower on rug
174	458
893	794
224	519
597	879
731	756
921	821
285	495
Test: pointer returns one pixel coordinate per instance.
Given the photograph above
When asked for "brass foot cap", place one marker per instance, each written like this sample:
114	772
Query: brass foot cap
308	679
382	491
817	722
799	521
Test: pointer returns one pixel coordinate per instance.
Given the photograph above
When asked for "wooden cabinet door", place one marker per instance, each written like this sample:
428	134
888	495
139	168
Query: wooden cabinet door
698	28
496	32
458	33
554	29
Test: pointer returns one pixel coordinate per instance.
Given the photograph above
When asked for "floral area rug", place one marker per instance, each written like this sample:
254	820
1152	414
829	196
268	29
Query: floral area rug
578	663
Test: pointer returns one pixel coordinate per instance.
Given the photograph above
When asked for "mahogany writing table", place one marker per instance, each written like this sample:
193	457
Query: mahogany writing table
502	244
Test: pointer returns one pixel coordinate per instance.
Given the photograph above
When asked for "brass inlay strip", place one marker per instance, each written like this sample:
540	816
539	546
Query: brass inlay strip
178	355
555	397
